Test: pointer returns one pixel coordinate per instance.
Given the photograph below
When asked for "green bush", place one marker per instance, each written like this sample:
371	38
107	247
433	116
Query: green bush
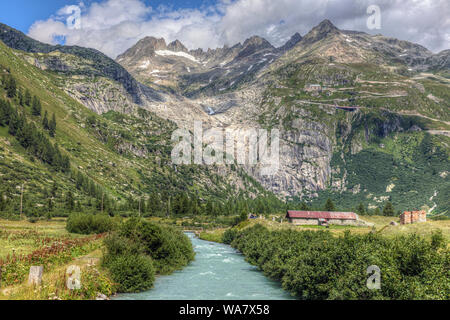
229	236
90	224
316	265
117	245
169	247
160	248
132	272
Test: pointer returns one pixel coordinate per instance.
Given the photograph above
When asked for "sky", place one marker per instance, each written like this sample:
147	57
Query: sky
112	26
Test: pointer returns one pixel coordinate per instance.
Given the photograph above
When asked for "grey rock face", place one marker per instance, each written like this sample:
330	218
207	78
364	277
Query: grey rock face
296	38
324	29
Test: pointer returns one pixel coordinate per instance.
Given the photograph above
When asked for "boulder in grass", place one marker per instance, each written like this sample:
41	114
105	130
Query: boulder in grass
101	296
35	276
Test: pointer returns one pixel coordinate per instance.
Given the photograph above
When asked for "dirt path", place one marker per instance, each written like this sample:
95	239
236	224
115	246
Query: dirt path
440	132
422	116
430	75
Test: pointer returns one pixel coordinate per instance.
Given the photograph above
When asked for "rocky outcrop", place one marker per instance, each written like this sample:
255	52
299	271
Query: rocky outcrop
323	30
305	157
253	45
99	64
296	38
177	46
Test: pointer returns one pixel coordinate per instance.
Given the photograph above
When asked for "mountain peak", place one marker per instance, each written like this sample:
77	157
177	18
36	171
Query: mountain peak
177	46
257	41
326	25
253	45
152	43
321	31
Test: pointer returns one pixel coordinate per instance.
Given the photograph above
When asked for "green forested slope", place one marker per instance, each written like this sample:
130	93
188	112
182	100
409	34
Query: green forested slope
116	160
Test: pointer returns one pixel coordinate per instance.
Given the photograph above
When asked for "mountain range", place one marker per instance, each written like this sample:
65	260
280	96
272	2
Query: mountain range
363	118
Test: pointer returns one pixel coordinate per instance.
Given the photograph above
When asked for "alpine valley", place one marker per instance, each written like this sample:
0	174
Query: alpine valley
362	119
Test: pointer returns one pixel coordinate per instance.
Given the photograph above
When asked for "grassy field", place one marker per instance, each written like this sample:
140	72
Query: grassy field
212	235
22	238
381	224
94	279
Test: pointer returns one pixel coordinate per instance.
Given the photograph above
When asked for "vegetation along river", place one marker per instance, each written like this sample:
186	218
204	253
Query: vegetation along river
218	272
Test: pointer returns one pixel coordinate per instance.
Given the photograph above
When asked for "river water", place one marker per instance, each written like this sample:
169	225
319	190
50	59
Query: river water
218	272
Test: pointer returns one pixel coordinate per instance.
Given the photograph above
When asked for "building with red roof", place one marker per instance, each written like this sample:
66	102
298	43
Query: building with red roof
322	218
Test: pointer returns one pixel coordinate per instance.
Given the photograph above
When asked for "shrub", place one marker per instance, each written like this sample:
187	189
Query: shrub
32	219
90	224
132	272
117	245
229	236
148	246
318	266
169	247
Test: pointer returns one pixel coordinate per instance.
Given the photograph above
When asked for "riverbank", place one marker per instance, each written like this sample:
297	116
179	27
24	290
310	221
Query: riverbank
318	265
218	272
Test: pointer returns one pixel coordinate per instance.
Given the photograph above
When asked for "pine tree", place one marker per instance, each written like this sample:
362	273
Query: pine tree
329	206
4	113
78	205
11	87
36	106
361	209
15	122
52	126
2	203
54	189
153	204
388	210
20	97
70	203
45	123
304	206
50	205
377	212
27	98
209	208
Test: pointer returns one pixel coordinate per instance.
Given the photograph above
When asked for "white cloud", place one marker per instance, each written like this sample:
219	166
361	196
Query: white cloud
112	26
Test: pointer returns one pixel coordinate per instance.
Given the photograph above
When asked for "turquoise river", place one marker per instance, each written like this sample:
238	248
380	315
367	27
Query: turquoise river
218	272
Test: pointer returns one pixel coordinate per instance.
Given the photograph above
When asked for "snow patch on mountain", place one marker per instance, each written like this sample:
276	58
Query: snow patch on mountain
145	64
179	54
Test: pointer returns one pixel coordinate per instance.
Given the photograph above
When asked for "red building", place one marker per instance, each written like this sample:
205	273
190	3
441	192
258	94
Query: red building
322	217
409	217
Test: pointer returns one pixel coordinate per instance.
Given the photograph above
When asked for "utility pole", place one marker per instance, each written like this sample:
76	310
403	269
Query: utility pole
139	207
21	202
168	208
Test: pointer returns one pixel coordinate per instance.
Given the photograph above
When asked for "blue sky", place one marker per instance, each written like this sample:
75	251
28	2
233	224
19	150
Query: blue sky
21	14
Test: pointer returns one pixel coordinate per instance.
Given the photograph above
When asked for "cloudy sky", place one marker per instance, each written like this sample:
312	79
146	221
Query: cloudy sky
112	26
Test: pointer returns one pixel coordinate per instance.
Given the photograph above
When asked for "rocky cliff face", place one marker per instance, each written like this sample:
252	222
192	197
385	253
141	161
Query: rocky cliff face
296	38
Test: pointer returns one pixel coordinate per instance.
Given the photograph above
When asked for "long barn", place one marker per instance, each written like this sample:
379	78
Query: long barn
323	217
